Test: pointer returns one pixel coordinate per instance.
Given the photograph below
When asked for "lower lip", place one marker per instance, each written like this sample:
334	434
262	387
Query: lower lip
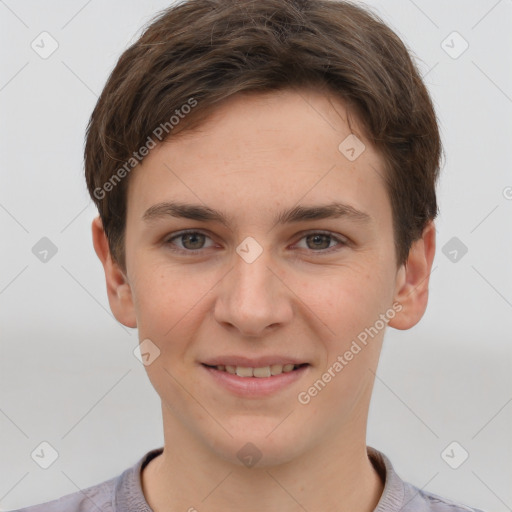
256	387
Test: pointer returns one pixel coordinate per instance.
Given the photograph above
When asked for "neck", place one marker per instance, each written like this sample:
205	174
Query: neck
332	476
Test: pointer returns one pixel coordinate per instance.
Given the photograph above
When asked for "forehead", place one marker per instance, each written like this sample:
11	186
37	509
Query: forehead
259	152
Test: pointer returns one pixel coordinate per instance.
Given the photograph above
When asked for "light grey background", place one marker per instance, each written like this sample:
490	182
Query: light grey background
68	374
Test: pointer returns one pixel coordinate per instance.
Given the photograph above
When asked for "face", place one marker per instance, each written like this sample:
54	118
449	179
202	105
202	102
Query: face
238	260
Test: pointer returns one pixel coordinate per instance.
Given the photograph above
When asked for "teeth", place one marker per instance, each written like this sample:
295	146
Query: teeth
276	369
265	371
261	372
242	371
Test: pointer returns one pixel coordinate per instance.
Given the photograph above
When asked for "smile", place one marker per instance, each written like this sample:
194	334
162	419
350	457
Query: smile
261	372
253	382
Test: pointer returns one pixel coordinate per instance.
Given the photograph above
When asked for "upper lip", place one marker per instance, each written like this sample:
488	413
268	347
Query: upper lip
252	362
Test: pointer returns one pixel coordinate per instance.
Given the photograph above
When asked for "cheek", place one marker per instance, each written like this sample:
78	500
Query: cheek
162	299
350	306
171	302
347	300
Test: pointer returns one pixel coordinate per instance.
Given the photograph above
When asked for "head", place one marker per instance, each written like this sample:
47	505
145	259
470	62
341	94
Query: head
241	121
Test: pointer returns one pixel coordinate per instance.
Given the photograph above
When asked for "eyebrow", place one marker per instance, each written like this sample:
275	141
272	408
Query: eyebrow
295	214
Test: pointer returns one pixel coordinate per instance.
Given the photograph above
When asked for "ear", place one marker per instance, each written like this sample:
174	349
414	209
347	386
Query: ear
118	287
412	280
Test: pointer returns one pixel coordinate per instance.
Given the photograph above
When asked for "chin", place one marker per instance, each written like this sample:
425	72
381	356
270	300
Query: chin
251	448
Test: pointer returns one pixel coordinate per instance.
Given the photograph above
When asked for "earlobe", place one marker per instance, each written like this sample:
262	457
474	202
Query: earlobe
412	280
118	287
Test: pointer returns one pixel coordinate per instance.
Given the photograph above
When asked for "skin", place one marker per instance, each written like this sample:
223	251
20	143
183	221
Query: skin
256	155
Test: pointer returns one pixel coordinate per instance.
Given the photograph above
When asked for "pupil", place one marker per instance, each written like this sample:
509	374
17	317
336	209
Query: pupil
320	238
193	237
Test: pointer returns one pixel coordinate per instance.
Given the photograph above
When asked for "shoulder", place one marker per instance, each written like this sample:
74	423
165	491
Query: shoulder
400	496
93	499
418	500
119	494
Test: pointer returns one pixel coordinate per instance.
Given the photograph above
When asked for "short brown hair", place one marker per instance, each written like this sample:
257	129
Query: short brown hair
198	52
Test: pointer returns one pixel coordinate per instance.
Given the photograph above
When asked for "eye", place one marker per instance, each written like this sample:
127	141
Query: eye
192	242
189	241
321	242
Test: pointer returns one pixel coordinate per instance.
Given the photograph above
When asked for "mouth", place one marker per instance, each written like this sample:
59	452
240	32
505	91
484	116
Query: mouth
258	372
255	382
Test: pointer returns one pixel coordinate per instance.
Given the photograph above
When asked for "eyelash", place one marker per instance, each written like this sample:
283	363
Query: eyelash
341	242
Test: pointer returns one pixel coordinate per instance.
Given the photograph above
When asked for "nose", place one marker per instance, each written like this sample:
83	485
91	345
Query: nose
252	298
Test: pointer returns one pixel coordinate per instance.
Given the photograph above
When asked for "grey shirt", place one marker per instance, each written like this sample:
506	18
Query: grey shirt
124	493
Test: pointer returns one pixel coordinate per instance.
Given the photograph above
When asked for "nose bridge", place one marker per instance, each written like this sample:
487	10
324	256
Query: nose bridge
251	297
